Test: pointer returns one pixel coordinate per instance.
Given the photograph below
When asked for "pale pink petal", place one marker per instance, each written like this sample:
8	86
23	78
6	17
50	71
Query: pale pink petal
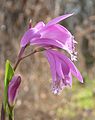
58	19
59	67
39	25
61	34
29	34
55	32
52	64
47	42
73	68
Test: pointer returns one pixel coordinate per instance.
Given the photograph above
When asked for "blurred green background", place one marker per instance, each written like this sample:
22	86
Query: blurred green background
35	100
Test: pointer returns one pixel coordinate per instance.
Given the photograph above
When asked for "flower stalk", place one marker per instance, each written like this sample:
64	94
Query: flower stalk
11	114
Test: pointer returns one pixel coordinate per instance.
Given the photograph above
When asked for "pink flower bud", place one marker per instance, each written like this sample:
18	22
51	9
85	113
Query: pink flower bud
13	89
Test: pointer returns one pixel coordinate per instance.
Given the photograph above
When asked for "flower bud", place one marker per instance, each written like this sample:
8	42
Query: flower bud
13	89
30	23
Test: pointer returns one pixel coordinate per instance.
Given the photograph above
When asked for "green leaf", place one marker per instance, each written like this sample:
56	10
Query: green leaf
9	72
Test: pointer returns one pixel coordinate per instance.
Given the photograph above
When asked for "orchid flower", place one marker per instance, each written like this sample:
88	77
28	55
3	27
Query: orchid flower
51	34
62	69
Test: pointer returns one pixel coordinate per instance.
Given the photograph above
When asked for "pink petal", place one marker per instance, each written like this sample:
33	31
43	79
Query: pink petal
73	68
61	34
39	25
58	19
52	64
69	81
59	67
62	67
47	42
29	34
56	32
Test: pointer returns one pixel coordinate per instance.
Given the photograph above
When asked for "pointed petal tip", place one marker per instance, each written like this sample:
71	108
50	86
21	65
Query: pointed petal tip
80	78
72	13
58	19
82	81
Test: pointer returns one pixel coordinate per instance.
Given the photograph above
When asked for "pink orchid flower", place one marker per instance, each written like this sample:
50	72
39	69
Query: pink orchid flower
62	69
51	34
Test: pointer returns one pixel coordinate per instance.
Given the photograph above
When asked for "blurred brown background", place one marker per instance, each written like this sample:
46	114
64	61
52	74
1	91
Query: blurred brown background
35	100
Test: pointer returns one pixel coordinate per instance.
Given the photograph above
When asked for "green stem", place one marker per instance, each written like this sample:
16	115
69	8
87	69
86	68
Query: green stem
19	60
11	114
11	117
40	49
